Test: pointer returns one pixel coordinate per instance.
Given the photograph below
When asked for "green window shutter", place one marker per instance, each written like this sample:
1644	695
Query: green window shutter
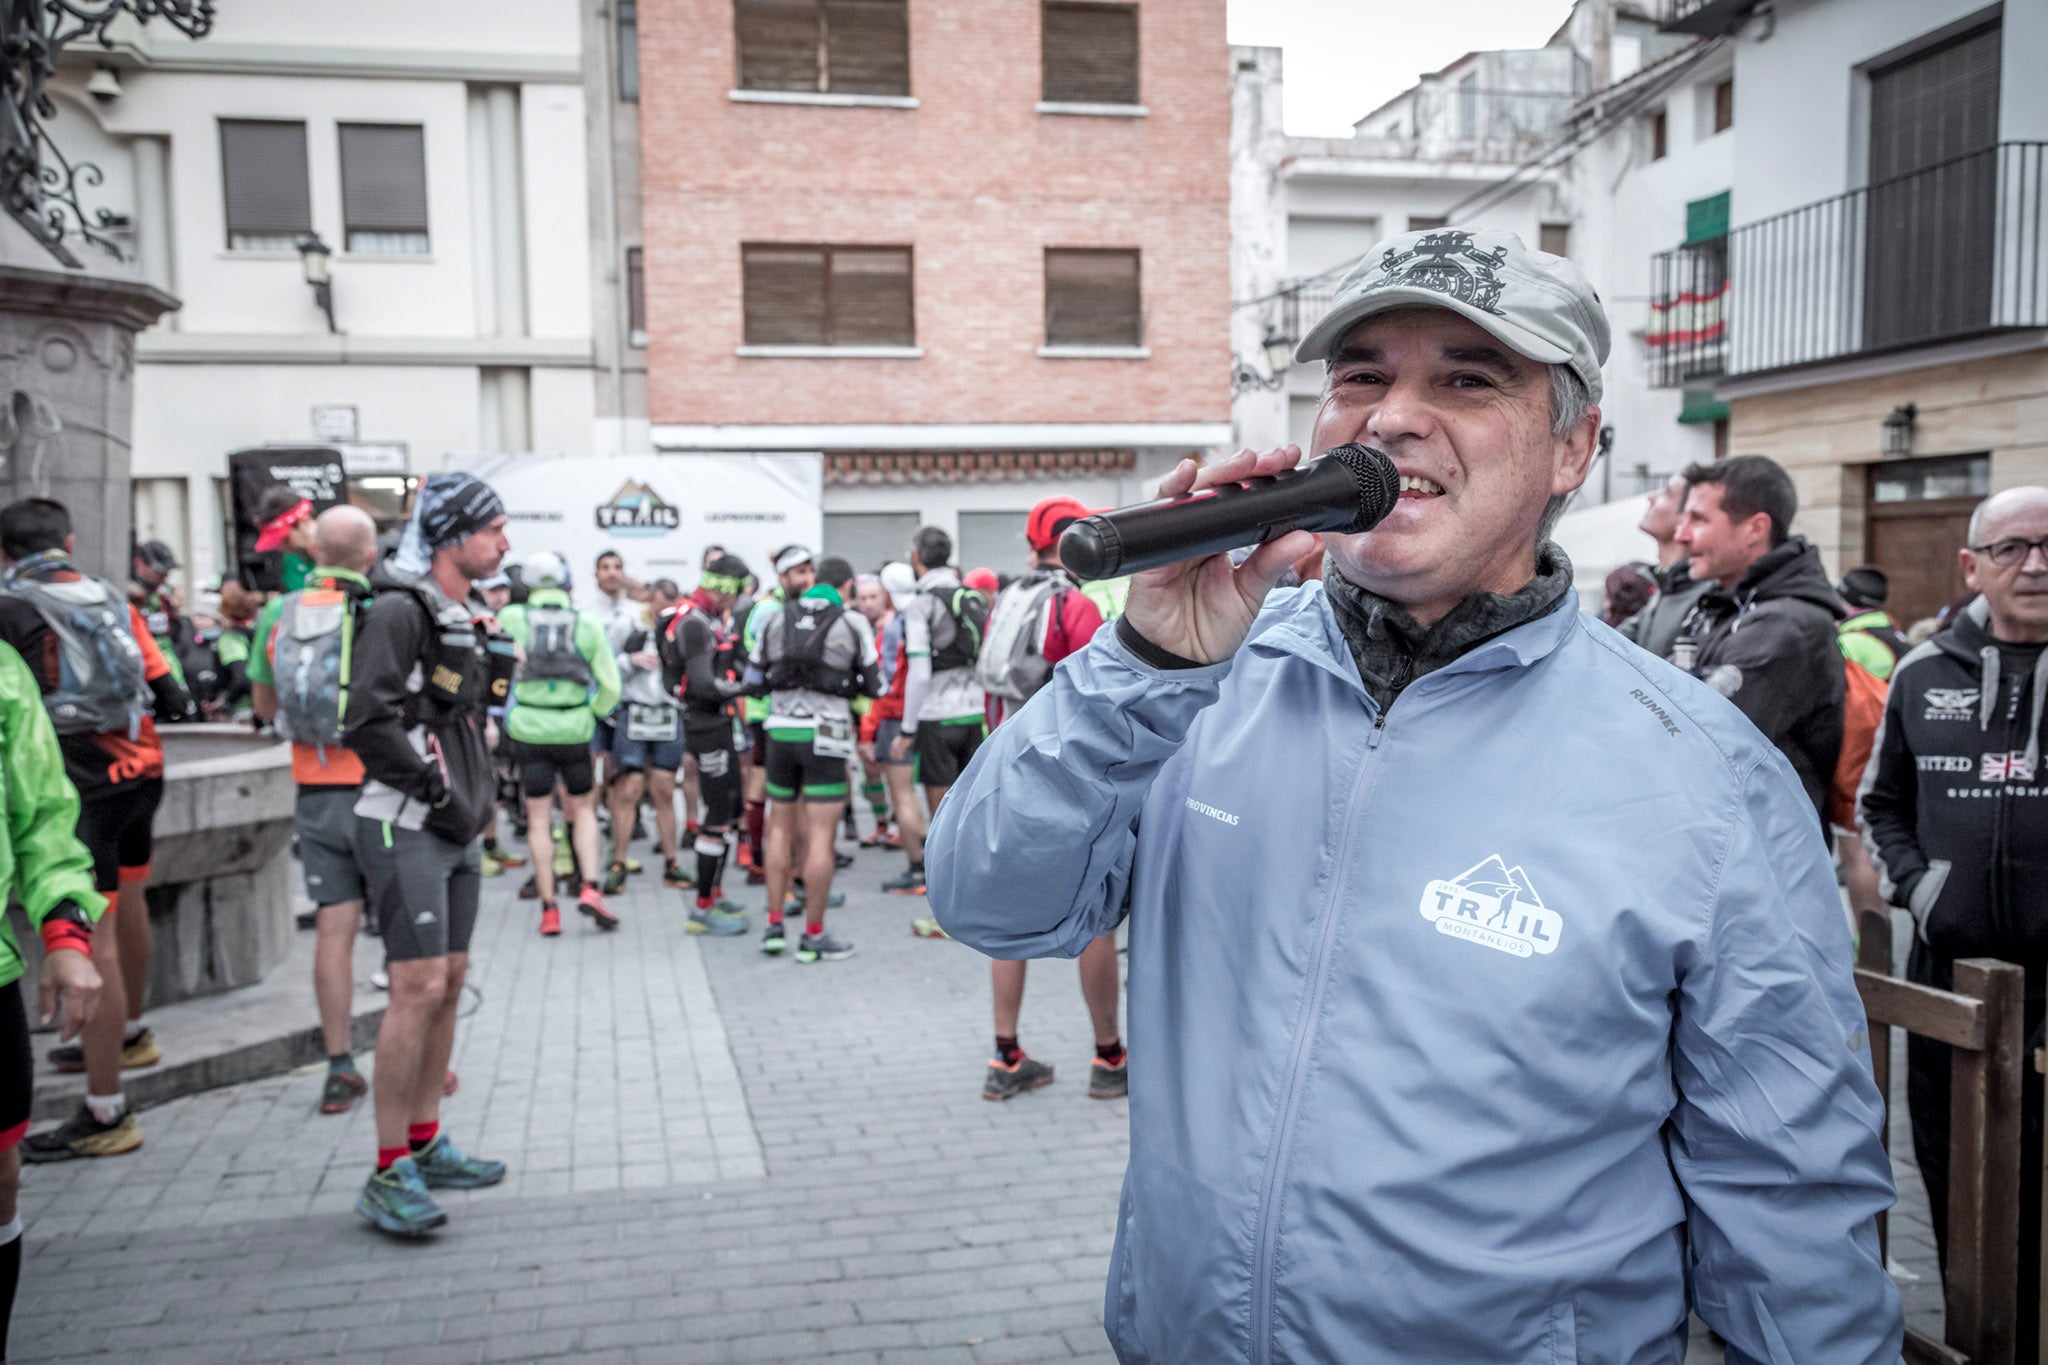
1706	218
1700	406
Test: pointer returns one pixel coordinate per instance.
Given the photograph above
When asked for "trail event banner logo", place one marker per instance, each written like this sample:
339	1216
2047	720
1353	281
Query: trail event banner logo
1447	263
637	511
1495	906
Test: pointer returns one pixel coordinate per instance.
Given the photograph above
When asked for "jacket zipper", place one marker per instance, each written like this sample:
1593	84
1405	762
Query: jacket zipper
1290	1099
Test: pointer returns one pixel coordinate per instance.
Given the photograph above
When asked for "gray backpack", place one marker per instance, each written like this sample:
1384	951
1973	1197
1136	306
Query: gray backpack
309	659
551	653
100	687
1012	664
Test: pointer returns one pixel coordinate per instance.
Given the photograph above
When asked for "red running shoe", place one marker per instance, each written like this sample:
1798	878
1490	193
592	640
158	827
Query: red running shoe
591	903
550	920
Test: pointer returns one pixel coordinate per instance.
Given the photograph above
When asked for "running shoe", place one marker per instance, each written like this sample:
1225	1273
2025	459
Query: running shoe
911	883
723	920
615	879
1005	1082
591	903
505	857
395	1199
1106	1082
550	920
799	898
381	979
342	1090
307	919
756	877
772	942
139	1051
744	854
488	865
443	1166
689	831
672	874
927	927
84	1136
529	890
841	861
884	837
565	856
822	948
634	865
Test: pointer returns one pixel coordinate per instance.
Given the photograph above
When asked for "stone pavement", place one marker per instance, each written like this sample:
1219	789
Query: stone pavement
716	1156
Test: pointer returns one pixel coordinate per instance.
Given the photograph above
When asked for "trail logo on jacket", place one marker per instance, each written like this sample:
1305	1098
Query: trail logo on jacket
1951	703
1493	905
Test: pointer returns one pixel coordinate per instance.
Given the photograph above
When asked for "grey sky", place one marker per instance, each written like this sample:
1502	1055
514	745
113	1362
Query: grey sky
1344	57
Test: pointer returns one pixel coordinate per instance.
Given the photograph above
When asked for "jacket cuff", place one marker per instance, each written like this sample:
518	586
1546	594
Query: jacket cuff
1164	659
1902	889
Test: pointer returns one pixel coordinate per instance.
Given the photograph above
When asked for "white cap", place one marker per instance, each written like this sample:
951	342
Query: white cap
900	583
545	569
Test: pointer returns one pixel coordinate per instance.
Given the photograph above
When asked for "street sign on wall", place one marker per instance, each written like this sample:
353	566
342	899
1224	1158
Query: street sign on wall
658	511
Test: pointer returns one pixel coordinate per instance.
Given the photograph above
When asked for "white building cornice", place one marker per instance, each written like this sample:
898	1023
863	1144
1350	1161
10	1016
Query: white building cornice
939	435
195	348
374	63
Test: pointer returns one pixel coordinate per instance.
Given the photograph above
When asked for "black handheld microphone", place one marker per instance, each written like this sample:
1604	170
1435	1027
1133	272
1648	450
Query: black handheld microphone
1348	490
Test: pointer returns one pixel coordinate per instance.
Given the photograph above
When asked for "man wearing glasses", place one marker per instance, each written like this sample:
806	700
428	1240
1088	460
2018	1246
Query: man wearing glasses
1954	807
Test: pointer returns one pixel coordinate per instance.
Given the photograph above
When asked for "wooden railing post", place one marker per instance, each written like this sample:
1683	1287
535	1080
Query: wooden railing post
1984	1169
1874	954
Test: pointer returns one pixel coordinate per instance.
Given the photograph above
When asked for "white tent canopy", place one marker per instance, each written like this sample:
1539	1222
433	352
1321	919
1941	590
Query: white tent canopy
1601	539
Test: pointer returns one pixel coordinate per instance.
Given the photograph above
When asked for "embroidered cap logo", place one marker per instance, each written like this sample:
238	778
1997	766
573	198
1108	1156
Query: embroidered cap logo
1447	263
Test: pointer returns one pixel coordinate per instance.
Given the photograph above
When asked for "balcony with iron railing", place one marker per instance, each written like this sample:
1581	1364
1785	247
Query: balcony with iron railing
1946	253
1707	18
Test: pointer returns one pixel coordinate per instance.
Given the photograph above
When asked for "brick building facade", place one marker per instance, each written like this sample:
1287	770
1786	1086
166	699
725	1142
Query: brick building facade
966	161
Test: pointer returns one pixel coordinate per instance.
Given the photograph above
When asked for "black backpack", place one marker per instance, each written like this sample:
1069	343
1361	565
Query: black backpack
969	612
806	628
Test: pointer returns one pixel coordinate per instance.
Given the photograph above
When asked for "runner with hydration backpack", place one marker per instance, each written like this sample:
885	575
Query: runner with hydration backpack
298	679
100	674
698	667
943	722
1037	621
567	678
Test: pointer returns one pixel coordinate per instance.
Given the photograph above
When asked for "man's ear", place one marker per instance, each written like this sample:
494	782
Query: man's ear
1575	453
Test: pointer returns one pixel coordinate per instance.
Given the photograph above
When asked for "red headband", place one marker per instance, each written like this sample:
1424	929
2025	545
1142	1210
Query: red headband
274	531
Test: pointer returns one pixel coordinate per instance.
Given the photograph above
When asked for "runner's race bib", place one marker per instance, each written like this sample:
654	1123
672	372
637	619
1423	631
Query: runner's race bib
651	724
834	737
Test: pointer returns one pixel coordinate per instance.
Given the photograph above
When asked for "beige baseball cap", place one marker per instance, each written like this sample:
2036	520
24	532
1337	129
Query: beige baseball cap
1537	304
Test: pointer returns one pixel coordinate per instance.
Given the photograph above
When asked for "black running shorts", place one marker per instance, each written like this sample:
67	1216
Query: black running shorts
943	751
541	764
325	821
114	825
17	1067
718	778
423	889
793	767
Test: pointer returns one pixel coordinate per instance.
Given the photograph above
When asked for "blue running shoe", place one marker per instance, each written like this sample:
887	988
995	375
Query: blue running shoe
396	1200
722	920
443	1167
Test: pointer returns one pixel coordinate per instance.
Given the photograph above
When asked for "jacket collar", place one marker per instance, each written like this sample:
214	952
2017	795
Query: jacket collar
1306	627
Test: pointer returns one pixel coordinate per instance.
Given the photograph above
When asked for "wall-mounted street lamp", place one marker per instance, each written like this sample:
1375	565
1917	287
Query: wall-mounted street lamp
315	256
1898	431
1279	349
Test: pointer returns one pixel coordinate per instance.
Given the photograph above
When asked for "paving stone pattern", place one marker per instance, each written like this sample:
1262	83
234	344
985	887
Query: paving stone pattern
716	1156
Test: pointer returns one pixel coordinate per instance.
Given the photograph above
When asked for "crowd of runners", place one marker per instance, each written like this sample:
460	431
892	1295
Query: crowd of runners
455	713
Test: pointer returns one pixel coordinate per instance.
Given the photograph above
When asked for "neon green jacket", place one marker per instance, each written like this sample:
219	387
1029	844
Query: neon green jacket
554	710
1859	645
41	861
754	710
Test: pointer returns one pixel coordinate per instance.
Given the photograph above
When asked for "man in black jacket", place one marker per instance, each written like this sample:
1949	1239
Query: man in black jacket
1763	634
423	678
697	667
1955	810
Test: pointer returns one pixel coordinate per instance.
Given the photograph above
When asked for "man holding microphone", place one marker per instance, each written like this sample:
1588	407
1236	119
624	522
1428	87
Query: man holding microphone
1434	1059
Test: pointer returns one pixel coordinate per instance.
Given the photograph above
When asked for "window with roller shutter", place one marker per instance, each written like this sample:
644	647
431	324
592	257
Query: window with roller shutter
1092	298
805	295
836	47
1088	53
384	188
263	180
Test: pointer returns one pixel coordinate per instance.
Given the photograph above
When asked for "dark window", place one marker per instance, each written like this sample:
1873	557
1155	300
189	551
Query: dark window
263	174
1092	298
629	49
1656	135
827	295
1088	53
1555	238
1417	223
842	47
636	297
384	188
1724	105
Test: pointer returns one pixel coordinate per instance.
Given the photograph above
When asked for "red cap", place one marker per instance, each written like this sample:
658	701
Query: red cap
274	531
982	580
1043	527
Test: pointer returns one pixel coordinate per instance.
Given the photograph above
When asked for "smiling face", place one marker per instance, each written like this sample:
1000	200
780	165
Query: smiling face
1467	422
1718	545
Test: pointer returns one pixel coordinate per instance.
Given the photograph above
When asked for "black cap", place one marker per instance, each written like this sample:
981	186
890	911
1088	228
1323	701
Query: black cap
1865	587
156	555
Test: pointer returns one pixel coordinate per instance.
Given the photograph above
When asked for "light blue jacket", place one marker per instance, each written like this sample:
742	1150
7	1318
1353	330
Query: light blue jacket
1449	1026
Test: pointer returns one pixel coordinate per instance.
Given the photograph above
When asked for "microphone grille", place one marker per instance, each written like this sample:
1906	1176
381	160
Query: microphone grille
1379	484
